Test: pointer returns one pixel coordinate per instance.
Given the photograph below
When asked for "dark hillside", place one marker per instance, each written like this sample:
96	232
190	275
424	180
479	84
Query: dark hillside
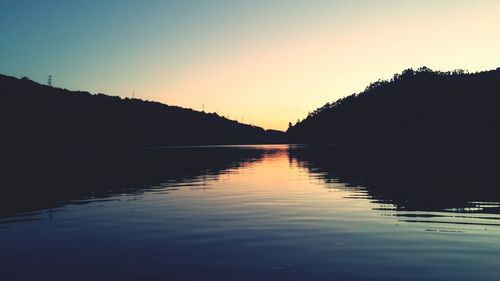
34	114
416	106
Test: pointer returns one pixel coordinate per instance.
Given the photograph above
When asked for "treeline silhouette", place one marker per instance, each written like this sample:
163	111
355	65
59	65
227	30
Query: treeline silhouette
35	114
416	106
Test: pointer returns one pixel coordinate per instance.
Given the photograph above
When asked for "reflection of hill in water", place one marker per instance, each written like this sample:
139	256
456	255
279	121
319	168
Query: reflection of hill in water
411	179
407	180
36	180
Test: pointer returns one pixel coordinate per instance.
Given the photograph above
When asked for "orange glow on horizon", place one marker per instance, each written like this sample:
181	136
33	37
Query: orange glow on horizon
267	63
278	80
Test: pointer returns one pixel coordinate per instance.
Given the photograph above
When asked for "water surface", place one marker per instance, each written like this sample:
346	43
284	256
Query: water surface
274	212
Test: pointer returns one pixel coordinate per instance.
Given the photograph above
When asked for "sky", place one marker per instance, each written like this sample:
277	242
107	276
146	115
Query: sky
261	62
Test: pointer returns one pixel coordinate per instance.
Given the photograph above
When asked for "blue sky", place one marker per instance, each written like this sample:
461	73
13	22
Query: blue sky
268	62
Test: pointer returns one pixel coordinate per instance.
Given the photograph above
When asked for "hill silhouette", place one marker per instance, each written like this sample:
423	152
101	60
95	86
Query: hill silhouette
421	106
35	114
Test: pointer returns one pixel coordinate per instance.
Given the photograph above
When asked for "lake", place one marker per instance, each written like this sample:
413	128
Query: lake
268	212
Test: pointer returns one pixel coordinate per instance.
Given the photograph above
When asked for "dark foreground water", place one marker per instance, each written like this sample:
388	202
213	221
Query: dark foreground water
253	213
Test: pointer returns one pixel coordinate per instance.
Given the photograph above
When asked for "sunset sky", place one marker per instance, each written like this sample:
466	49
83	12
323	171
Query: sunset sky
266	62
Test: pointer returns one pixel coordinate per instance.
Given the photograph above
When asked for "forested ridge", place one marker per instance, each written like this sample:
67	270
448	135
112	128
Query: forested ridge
415	106
35	114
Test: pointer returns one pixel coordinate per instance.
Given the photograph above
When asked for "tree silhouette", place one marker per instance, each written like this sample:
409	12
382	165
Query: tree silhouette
415	106
57	118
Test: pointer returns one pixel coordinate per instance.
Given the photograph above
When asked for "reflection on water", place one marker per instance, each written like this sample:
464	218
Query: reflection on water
407	182
251	212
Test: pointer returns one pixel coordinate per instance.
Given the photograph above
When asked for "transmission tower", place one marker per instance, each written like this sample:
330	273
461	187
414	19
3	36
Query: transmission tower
49	81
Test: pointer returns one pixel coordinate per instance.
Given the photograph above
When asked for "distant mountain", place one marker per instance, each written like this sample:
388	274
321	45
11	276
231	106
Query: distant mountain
37	115
421	106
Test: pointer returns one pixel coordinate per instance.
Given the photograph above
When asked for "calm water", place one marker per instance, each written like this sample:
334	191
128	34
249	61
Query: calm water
255	213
